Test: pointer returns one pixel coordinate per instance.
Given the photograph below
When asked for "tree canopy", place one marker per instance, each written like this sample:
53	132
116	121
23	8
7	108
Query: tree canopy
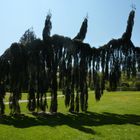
57	63
27	37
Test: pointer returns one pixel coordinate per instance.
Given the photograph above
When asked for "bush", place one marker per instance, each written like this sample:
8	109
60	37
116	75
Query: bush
124	84
107	87
137	85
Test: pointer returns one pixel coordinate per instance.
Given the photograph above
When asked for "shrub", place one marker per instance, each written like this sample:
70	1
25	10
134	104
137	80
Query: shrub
124	84
125	88
137	85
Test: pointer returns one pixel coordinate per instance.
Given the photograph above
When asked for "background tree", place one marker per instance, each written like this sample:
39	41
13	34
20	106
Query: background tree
28	37
48	26
83	30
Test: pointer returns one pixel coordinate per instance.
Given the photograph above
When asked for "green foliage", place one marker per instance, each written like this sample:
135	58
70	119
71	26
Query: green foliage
2	96
28	37
137	85
83	30
127	35
48	26
33	65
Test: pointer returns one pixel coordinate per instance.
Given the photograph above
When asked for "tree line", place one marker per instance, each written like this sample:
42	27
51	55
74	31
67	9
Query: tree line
57	63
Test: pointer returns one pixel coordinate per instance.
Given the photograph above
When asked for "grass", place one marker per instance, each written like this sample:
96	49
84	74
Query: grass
115	117
24	97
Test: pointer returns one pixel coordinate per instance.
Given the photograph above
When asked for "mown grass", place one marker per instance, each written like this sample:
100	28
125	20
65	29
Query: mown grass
115	117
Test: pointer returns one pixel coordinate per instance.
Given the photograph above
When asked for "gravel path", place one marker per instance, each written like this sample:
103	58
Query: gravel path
24	101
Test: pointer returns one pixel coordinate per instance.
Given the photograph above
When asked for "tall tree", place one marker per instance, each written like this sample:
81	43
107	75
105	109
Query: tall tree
28	37
128	33
48	26
83	30
71	59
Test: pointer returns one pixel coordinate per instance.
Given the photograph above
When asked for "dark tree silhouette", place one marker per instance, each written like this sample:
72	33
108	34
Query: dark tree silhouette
16	70
128	33
57	62
28	37
48	26
2	95
83	30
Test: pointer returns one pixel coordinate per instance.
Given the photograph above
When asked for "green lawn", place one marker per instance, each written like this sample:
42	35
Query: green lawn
115	117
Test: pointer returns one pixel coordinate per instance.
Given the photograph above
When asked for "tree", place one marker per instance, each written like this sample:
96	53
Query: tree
48	26
130	23
28	37
41	61
83	30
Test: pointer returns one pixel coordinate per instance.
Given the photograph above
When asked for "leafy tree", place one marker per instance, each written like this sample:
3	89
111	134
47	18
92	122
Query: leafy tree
48	26
28	37
2	95
83	30
41	61
130	23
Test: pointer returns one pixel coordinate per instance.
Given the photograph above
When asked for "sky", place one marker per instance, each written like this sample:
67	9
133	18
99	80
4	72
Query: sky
107	19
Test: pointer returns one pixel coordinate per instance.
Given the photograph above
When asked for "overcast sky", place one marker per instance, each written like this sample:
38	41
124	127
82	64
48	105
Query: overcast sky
107	19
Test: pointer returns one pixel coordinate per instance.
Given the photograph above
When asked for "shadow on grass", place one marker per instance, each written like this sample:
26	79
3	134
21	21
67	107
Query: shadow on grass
79	121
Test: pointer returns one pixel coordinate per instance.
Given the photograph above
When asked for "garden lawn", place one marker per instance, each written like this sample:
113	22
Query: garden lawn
115	117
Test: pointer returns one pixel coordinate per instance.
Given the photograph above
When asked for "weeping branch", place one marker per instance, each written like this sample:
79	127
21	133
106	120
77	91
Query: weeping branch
59	63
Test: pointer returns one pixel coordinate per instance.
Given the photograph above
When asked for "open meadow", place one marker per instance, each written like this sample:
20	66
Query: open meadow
115	117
